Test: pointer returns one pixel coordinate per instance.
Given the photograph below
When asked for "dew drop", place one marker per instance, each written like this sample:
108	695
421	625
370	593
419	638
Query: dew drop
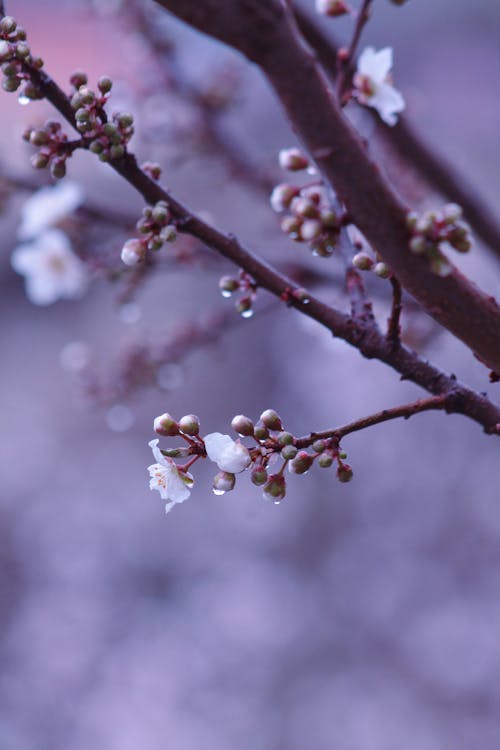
247	313
23	99
219	492
226	294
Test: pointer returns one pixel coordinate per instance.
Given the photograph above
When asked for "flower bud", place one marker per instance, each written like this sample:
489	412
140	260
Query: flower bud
411	219
58	168
169	233
78	79
244	307
160	214
125	119
362	262
382	270
319	446
310	230
166	425
5	49
260	432
87	96
242	425
284	438
11	84
8	24
344	473
325	460
104	84
332	8
271	420
281	197
152	169
258	475
292	159
288	452
189	425
39	160
275	487
452	212
133	252
116	151
22	50
418	244
301	463
304	208
223	482
291	226
228	285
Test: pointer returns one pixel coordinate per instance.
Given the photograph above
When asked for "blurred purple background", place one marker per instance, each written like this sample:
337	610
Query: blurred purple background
356	617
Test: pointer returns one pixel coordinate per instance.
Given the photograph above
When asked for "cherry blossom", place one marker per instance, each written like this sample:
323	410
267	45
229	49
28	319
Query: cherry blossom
47	207
166	478
373	86
51	269
229	455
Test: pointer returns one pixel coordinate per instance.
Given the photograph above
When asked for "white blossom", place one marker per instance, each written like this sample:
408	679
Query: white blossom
373	84
229	455
51	269
47	207
166	478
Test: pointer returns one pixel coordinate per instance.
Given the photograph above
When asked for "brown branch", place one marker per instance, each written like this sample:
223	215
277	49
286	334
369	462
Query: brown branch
393	325
368	340
403	136
406	411
266	33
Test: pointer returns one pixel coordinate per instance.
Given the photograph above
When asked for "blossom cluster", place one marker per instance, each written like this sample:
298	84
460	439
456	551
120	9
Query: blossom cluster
53	145
272	444
107	139
434	231
15	55
308	213
156	228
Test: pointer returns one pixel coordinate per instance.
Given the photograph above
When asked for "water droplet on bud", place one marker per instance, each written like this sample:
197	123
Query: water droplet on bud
219	492
247	313
226	293
23	99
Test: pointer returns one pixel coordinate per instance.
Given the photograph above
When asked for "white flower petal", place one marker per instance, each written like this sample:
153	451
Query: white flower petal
375	65
388	102
229	455
51	268
48	206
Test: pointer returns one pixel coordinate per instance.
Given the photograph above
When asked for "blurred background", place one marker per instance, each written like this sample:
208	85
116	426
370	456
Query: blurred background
357	617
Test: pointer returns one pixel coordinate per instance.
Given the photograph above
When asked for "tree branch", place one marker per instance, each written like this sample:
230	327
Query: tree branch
403	136
406	411
367	339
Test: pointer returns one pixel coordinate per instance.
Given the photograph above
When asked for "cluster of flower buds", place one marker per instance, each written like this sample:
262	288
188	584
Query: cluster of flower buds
106	139
246	286
433	231
309	216
272	444
332	8
364	262
155	228
53	147
16	59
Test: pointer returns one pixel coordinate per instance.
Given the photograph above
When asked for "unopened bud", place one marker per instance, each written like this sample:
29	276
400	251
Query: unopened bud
344	473
292	159
58	169
228	285
133	252
224	481
332	8
78	79
325	460
318	446
261	432
258	475
189	425
166	425
242	425
284	438
382	270
271	420
288	452
362	262
301	463
310	230
39	160
418	245
275	487
104	84
8	24
281	197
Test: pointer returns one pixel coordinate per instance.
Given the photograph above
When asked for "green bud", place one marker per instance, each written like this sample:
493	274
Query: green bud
22	50
166	425
58	169
261	432
82	115
8	24
271	420
325	460
78	79
39	137
319	446
116	152
242	425
223	482
39	160
288	452
190	424
284	438
344	473
382	270
11	84
301	463
104	84
258	475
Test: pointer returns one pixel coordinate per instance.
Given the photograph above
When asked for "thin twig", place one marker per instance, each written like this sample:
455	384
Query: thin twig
406	411
393	323
346	56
